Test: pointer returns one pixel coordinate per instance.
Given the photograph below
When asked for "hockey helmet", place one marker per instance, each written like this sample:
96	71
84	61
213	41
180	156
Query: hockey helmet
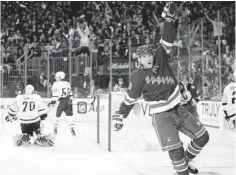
60	75
29	89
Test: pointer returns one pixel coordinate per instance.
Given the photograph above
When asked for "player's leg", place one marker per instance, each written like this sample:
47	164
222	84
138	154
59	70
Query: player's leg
193	128
70	118
56	120
165	126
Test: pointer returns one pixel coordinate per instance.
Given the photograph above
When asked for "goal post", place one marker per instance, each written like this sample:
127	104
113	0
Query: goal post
137	131
112	104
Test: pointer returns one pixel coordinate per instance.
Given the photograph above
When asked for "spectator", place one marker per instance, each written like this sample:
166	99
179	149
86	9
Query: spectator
217	28
120	86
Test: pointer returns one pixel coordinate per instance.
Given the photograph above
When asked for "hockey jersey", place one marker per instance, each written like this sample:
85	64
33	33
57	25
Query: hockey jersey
61	90
158	85
229	99
28	108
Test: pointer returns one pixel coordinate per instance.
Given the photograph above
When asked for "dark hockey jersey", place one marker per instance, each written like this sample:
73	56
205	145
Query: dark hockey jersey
158	85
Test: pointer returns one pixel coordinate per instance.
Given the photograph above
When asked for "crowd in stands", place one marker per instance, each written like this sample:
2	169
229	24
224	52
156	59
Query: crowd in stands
68	27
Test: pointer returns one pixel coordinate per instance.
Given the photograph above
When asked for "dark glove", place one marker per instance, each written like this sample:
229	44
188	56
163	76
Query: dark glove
9	118
51	104
43	116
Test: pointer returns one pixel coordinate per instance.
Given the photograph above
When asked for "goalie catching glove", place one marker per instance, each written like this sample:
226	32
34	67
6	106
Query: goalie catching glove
10	118
117	122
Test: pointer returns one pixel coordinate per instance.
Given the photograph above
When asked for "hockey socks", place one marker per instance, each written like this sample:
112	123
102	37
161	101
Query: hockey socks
192	150
179	162
181	167
196	145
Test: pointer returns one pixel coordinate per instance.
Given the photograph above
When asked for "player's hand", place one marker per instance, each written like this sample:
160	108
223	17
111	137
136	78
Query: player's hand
117	122
231	121
43	116
51	104
9	118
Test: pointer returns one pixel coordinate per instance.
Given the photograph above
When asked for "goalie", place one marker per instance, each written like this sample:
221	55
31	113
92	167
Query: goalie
229	102
29	109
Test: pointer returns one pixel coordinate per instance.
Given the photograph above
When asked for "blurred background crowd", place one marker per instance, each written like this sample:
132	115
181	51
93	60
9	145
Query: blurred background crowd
85	31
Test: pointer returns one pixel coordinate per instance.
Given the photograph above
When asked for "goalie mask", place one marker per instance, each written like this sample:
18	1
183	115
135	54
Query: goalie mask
29	89
145	56
60	75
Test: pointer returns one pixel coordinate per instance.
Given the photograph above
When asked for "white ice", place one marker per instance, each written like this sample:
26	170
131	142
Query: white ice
85	157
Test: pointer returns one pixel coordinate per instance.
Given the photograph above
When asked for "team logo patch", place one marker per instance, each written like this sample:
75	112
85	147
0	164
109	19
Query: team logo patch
82	107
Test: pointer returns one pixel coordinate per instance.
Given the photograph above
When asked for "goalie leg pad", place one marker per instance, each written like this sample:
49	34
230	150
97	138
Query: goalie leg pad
45	140
21	139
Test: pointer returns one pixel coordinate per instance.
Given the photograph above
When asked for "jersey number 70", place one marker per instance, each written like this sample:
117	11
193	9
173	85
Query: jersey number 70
28	106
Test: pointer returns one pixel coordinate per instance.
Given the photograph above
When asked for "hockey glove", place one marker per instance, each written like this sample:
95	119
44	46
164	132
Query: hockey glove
9	118
51	104
117	122
231	120
43	116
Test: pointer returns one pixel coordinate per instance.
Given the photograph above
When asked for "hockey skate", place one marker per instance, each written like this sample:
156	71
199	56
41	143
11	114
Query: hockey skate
55	130
72	131
191	168
23	139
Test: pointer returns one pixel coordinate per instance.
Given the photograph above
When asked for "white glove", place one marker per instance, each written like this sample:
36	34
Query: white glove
117	122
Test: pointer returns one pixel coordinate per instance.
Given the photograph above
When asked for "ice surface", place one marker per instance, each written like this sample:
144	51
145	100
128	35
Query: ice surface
84	156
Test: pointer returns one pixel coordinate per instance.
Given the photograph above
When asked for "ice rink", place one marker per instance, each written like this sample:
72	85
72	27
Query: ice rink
133	153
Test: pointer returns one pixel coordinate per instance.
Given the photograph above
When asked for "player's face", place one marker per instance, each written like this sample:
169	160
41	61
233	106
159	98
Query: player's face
146	61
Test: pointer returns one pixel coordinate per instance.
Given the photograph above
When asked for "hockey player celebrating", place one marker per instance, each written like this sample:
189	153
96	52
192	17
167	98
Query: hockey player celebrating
229	102
61	91
29	109
160	89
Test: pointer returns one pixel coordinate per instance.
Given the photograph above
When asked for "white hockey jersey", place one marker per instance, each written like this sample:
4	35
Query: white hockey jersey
61	89
229	99
28	108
